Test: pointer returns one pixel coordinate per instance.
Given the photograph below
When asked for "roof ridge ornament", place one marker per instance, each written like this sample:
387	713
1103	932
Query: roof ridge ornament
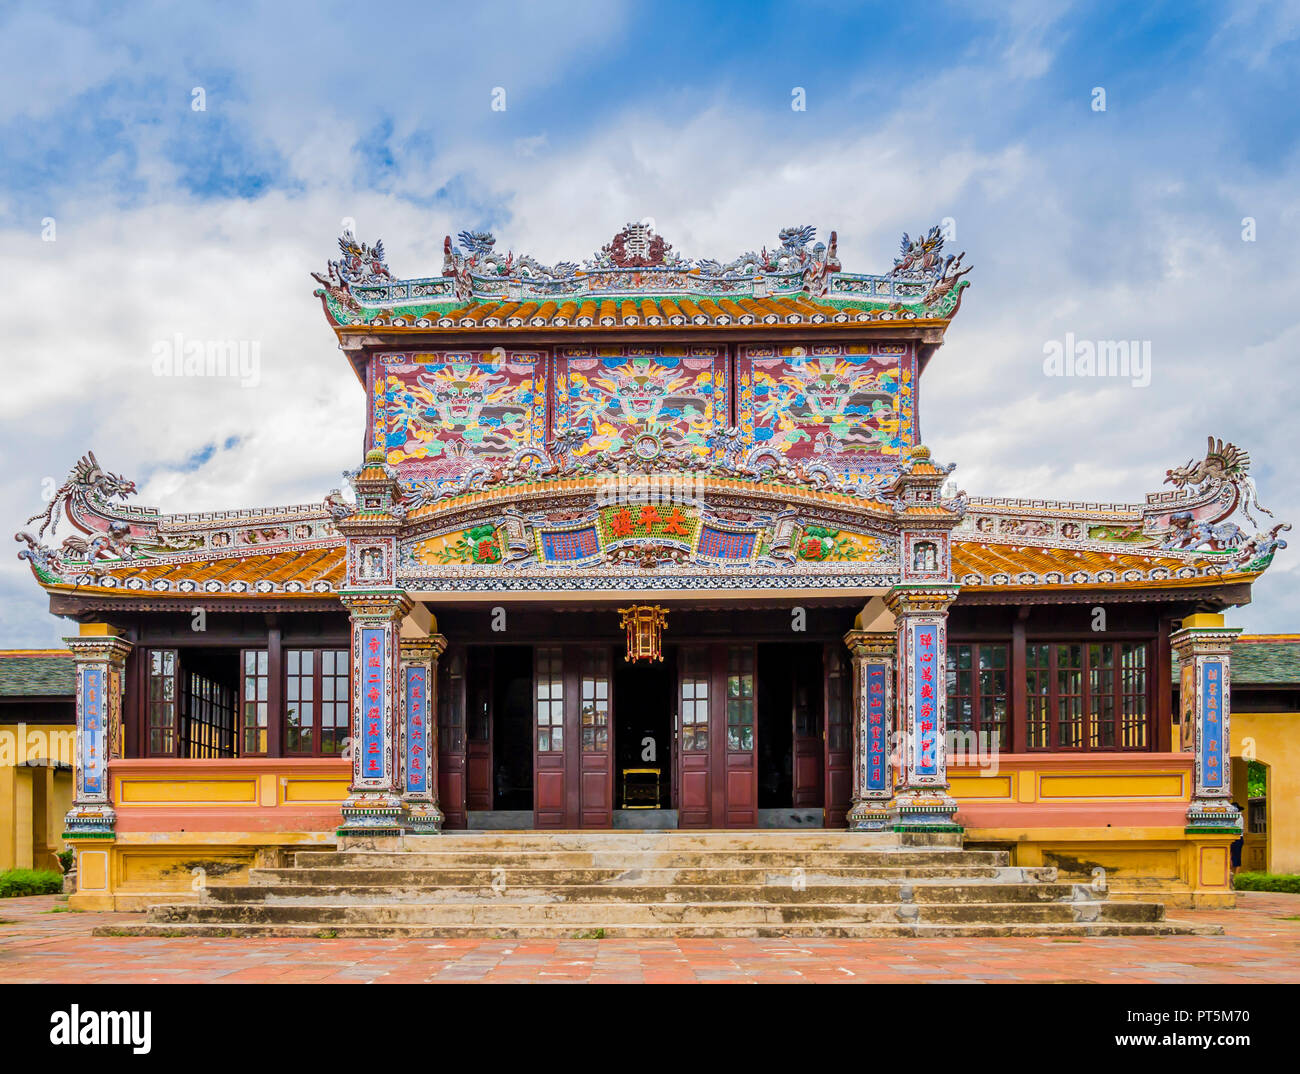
1199	515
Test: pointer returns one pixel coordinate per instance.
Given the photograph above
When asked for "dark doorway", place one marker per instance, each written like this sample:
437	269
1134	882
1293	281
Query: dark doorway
790	717
775	727
512	721
643	733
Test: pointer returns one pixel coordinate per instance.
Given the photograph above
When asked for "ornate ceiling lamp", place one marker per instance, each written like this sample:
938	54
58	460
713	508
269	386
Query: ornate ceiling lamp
644	624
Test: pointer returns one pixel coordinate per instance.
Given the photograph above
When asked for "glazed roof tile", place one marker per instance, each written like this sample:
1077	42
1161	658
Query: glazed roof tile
37	673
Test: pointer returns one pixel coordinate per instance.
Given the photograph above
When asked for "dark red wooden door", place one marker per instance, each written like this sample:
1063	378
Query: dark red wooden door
735	709
451	738
594	696
692	749
550	787
808	767
839	735
478	731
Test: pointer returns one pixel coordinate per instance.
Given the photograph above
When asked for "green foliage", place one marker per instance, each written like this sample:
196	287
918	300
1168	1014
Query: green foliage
18	882
1284	882
1256	779
67	858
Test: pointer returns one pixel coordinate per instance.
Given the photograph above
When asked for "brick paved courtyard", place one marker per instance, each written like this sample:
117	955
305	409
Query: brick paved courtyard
1261	944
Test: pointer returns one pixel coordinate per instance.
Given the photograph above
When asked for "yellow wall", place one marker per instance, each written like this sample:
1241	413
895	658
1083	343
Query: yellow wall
33	797
1274	739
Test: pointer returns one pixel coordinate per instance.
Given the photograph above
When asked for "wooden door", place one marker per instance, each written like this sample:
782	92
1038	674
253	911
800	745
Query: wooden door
692	747
550	786
839	735
451	737
478	730
595	717
735	707
808	765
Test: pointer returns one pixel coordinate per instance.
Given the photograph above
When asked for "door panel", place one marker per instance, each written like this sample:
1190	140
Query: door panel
596	720
737	711
806	712
693	740
478	730
451	737
550	798
839	735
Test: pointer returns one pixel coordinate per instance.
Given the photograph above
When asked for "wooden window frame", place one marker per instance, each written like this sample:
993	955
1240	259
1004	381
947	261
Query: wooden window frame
318	677
259	703
1088	697
171	728
978	695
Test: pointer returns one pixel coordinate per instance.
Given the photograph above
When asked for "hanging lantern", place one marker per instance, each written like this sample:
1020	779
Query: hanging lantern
644	624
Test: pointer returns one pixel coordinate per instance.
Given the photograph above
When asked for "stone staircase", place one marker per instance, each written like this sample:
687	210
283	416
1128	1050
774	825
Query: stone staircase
663	884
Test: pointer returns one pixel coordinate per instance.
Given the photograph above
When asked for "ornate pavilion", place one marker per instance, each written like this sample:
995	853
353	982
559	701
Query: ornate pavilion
651	541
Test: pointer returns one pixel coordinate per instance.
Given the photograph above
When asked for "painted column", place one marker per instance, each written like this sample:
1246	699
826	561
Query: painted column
419	732
100	659
374	804
921	616
1202	647
873	654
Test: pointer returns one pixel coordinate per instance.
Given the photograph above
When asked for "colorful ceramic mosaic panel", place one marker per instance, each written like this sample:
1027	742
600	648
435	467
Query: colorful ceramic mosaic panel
566	546
436	414
853	407
614	393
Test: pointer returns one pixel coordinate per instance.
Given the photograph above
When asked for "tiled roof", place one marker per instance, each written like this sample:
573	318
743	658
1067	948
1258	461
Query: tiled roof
631	312
303	572
36	673
1267	659
991	561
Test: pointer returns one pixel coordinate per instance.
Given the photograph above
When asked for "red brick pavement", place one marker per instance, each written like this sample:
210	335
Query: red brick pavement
1260	945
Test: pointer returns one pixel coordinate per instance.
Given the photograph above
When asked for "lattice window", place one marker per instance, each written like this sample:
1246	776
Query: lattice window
1088	697
978	683
740	697
316	701
595	700
254	704
162	702
550	700
695	700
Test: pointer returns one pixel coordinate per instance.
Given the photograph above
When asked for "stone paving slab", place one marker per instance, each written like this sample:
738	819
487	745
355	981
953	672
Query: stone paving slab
1260	944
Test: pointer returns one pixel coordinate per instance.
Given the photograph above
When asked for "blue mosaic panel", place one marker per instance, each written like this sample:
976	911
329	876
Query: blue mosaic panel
719	544
417	731
374	660
1213	744
93	737
570	545
926	677
877	746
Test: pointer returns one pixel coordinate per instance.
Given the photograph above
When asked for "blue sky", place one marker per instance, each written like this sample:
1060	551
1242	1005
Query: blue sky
1122	224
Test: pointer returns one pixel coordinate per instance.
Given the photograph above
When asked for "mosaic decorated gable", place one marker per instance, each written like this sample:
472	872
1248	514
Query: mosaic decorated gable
852	407
612	395
434	414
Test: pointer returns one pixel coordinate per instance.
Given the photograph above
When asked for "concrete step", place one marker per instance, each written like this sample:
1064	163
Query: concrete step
512	875
670	884
594	915
663	931
647	859
847	890
820	839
